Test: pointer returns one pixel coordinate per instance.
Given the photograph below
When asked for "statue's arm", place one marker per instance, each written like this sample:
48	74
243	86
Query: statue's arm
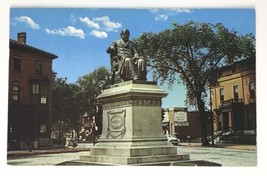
112	48
135	51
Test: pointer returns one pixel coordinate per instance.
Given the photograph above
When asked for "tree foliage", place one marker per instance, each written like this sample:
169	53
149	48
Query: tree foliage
190	53
90	86
65	105
72	100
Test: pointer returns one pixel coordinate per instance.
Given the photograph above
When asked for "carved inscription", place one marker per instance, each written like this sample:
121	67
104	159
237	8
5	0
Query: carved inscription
116	123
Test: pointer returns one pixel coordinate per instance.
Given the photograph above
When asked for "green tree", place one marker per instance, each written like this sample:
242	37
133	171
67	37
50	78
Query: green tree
90	86
190	53
71	101
65	105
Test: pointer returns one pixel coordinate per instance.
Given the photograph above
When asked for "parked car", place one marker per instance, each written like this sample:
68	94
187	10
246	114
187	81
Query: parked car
173	139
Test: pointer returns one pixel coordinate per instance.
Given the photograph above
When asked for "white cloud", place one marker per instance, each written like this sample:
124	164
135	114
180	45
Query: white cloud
162	17
28	21
90	23
180	10
109	25
163	14
154	10
99	34
101	26
69	31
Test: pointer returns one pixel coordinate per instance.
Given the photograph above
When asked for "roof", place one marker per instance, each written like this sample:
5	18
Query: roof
235	64
13	44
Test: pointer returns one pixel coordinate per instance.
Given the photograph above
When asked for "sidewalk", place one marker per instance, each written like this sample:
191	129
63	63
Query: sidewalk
221	145
23	153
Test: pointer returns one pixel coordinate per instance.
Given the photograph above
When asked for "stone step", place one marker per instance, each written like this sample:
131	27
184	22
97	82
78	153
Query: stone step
106	160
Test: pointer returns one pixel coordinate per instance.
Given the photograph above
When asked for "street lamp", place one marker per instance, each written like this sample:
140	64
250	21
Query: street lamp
212	82
211	113
94	129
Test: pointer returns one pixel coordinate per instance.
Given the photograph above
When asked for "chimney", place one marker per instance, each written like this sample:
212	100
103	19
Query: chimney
22	37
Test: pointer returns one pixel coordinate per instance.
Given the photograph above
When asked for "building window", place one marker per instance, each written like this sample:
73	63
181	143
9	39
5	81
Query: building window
35	89
42	128
252	89
10	129
17	64
235	91
221	95
15	93
39	94
38	68
43	94
35	93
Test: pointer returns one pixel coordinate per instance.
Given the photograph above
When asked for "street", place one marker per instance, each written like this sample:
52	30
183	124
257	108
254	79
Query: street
223	156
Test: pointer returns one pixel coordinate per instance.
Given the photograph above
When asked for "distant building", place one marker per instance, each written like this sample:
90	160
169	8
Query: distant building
185	125
30	95
234	98
89	129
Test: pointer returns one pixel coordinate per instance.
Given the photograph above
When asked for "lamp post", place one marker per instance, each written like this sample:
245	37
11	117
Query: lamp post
94	131
212	82
212	127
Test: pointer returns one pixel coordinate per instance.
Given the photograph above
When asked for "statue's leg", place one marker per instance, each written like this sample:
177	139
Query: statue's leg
113	77
141	69
117	79
130	72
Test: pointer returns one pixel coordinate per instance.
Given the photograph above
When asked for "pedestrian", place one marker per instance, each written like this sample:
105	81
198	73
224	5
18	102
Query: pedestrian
68	139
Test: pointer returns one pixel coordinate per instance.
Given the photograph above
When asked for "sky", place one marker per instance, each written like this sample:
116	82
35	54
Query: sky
80	36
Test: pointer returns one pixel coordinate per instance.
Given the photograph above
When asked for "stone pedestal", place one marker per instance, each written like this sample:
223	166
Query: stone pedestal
132	132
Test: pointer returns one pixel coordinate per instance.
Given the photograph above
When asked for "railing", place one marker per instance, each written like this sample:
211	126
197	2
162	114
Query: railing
217	135
231	101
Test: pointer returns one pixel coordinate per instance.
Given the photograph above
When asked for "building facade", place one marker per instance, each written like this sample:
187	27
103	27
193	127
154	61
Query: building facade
30	95
90	127
234	98
184	124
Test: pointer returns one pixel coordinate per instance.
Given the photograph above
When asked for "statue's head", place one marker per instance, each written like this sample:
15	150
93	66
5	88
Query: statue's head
125	33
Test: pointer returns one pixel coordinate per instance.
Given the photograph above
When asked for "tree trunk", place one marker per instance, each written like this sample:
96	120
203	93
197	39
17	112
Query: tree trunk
203	124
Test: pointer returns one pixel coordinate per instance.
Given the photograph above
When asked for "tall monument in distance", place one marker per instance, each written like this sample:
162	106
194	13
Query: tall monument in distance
132	131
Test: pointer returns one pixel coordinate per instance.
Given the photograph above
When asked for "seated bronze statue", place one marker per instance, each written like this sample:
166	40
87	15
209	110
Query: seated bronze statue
126	64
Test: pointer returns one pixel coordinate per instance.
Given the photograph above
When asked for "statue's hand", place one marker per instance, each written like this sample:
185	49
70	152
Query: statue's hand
112	48
115	58
137	58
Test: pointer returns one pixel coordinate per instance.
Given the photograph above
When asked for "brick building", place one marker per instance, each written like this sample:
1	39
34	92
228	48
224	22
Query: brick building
186	125
30	95
234	98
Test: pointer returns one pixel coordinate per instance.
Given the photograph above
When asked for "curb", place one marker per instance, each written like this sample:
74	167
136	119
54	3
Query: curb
236	147
36	152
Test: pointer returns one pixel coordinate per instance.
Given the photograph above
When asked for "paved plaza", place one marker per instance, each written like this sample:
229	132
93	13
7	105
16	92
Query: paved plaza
232	155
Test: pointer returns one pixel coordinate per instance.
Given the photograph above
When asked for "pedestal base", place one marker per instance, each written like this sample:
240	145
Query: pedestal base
142	160
132	133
